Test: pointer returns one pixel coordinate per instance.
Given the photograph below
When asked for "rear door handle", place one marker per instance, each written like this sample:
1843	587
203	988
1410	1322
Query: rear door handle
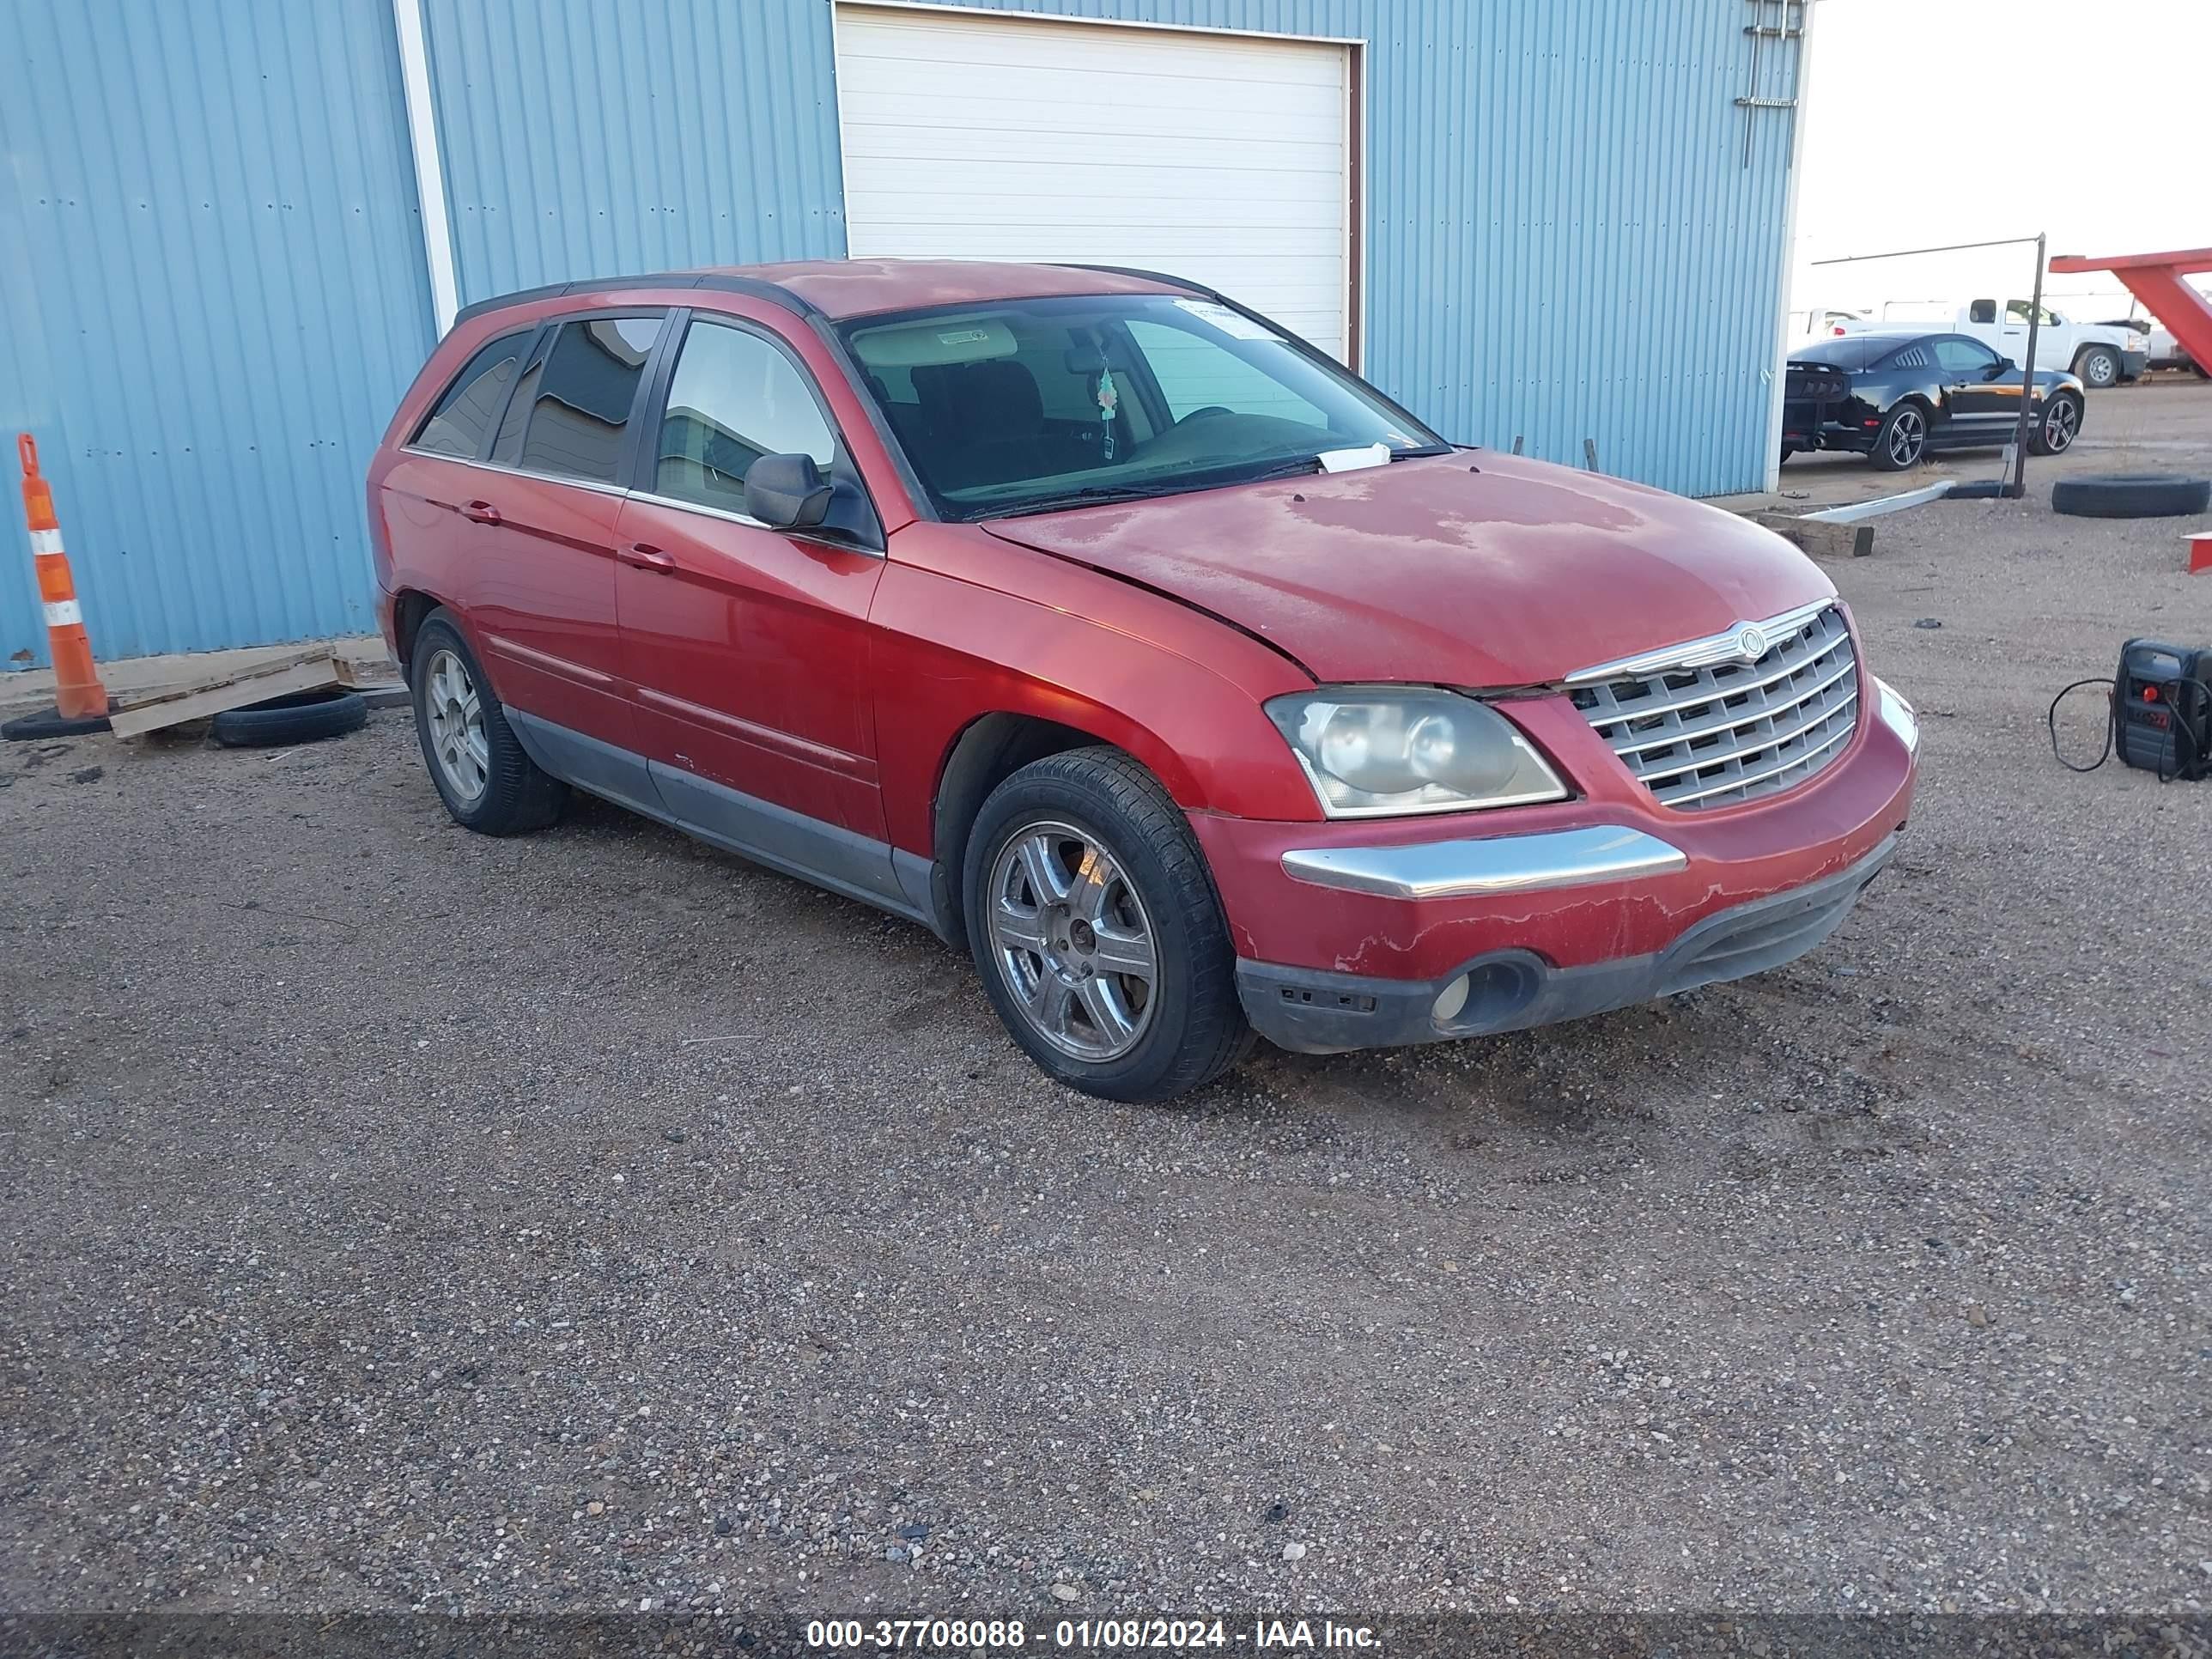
480	513
645	556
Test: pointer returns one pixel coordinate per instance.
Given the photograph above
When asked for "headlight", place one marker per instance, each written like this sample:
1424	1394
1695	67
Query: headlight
1897	715
1374	753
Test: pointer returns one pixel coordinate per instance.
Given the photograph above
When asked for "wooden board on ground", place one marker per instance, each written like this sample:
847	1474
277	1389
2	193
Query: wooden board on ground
307	670
1822	541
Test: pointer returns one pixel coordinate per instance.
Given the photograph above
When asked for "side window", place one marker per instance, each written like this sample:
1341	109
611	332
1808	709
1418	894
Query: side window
506	444
1964	357
582	399
2018	311
1194	376
734	398
457	422
1982	311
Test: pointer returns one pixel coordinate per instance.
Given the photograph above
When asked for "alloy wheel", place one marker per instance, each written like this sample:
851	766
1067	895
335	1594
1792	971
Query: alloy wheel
2099	368
1074	941
1907	433
455	711
2060	422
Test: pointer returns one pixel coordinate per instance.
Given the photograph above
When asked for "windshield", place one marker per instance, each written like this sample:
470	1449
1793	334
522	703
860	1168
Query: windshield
1017	405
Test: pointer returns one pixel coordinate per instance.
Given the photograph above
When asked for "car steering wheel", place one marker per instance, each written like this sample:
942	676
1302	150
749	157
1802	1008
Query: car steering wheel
1203	414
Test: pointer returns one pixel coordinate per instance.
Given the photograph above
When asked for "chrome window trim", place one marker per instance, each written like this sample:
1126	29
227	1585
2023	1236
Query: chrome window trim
729	514
645	496
1488	866
592	484
1704	652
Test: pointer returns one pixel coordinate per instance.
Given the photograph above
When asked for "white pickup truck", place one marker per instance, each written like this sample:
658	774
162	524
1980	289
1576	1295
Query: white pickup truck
2101	355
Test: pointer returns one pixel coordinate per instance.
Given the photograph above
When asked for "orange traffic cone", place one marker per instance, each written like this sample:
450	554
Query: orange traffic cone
80	699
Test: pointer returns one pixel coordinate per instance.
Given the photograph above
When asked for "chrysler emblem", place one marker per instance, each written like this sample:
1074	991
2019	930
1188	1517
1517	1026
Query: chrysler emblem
1750	644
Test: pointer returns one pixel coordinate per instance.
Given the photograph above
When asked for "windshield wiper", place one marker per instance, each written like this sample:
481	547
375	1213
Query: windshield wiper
1098	494
1089	496
1416	454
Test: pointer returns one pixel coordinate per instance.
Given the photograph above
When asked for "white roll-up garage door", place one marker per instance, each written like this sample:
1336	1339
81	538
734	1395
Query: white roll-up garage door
1223	158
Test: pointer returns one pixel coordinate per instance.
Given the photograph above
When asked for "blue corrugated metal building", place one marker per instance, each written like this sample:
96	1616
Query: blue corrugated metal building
231	231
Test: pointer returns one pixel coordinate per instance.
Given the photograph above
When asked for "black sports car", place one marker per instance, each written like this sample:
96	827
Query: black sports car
1893	396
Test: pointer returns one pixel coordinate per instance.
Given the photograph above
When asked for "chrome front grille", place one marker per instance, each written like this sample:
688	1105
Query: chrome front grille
1701	732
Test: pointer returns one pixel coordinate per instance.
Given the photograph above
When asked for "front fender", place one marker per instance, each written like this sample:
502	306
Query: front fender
964	626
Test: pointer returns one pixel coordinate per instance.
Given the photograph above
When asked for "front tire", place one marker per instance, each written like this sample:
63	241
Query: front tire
483	773
2054	433
1902	439
2098	367
1094	924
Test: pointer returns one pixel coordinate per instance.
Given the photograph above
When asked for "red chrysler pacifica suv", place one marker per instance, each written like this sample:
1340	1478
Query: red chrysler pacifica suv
1087	618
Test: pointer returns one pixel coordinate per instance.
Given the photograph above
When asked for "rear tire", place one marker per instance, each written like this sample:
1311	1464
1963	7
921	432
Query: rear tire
1094	924
2098	367
1902	439
483	773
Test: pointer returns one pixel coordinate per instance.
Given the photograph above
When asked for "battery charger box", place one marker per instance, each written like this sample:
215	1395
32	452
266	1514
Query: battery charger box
2162	708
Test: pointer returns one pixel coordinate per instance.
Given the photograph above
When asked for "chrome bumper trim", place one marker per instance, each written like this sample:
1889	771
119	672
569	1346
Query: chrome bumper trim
1898	714
1490	865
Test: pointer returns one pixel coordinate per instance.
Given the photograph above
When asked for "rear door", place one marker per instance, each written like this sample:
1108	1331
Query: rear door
428	494
543	590
749	646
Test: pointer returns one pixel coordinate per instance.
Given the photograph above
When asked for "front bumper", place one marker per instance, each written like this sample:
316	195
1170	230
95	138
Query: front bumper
1348	933
1512	989
2132	364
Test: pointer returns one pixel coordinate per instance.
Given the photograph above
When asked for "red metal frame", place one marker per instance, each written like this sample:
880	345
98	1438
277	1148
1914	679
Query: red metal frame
2155	279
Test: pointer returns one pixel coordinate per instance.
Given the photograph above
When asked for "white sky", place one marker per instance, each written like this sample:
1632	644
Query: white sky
1909	100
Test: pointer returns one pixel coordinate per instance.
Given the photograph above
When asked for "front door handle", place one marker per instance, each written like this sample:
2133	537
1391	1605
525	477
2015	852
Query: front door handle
645	556
480	513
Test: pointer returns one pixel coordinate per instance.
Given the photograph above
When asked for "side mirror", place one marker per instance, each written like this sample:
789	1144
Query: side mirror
2002	366
787	492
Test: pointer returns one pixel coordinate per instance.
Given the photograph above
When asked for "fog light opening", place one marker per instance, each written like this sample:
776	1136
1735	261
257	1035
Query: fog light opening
1449	1001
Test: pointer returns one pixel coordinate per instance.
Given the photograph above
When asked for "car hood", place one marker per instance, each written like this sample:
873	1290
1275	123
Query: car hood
1476	571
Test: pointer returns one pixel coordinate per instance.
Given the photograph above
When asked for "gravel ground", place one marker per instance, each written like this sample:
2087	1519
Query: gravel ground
402	1219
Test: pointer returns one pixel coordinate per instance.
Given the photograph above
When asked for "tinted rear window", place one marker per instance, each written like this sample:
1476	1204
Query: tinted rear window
1849	350
465	411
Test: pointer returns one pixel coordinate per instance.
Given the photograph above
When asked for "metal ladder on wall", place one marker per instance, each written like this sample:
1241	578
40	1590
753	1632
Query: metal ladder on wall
1788	25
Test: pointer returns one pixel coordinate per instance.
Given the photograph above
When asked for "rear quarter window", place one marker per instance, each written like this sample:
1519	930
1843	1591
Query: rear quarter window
458	421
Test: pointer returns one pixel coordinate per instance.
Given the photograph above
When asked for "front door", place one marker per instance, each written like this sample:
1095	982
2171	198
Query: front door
1980	406
747	646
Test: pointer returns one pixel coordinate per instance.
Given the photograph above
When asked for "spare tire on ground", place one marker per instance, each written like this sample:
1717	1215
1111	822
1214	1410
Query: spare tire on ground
2130	496
303	717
